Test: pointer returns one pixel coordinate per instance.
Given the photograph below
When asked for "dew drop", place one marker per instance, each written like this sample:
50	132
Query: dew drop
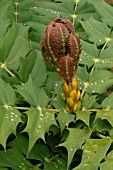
71	149
22	88
95	83
12	120
12	113
103	61
52	118
41	115
7	117
91	84
56	84
16	115
39	126
37	131
100	40
93	91
102	81
20	166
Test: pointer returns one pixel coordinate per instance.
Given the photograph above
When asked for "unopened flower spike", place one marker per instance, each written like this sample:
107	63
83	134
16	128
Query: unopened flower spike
61	49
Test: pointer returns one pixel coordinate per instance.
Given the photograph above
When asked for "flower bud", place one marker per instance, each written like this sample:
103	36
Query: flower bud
70	102
73	95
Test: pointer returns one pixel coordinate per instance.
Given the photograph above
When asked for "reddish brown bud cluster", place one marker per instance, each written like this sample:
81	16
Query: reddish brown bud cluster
61	48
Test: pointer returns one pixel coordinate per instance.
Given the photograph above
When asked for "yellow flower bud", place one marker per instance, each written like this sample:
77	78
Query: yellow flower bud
73	95
70	102
68	109
75	107
79	104
78	95
66	90
74	84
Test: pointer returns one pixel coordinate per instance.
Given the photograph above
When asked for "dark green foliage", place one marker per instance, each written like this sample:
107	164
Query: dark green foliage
35	130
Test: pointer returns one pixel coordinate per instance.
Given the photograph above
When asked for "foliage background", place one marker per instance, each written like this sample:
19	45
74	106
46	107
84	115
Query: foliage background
35	131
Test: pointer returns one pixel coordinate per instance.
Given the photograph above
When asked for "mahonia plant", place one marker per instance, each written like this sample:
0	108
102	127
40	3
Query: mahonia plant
61	49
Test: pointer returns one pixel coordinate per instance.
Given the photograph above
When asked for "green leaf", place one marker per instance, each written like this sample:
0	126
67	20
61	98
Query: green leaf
39	72
74	141
89	53
9	119
105	59
88	101
97	31
39	122
84	116
108	102
82	76
26	66
14	159
4	20
7	94
108	164
55	163
101	125
13	46
100	81
105	114
94	151
105	11
34	95
64	119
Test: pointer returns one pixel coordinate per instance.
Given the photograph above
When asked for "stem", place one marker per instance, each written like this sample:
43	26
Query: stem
4	66
84	89
16	11
10	73
74	15
22	108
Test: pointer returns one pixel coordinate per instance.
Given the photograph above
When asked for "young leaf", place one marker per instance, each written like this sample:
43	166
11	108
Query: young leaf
39	122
